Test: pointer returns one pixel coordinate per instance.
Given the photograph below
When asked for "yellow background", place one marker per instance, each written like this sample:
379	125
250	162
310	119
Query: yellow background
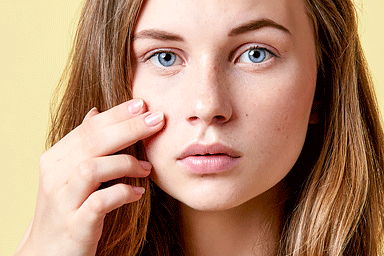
35	37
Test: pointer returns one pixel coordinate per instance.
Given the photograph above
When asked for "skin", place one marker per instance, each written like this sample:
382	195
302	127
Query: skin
69	211
212	94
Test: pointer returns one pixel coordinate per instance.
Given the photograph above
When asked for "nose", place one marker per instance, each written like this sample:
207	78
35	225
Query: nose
209	98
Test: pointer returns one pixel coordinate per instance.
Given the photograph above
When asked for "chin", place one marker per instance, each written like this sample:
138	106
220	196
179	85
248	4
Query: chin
211	205
210	198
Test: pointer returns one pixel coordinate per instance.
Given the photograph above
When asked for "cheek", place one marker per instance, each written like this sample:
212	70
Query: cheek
278	125
152	92
285	107
145	88
295	110
278	118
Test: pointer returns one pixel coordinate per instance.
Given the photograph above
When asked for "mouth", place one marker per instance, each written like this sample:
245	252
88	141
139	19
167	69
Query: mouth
208	150
208	159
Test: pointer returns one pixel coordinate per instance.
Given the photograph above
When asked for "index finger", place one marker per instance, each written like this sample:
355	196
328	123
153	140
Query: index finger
116	137
93	122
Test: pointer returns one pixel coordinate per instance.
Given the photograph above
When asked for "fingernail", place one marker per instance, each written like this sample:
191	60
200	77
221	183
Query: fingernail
139	190
89	112
146	165
135	106
154	118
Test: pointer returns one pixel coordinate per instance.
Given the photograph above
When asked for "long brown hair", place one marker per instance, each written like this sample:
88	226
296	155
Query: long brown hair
338	207
340	211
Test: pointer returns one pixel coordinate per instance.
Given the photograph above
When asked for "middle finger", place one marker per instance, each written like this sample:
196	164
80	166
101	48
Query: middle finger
91	173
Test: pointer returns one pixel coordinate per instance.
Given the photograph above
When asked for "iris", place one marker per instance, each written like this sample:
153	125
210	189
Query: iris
166	59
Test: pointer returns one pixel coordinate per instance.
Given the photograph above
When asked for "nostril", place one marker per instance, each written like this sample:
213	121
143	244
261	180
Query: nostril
193	118
216	119
220	118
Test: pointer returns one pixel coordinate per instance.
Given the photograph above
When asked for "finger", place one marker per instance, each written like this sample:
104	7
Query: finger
90	215
118	113
91	113
91	173
116	137
94	121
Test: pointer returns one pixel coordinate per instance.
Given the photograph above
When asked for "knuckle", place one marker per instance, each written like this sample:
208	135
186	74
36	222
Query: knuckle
46	186
97	204
87	171
125	191
43	163
129	161
89	145
114	115
133	127
86	128
126	194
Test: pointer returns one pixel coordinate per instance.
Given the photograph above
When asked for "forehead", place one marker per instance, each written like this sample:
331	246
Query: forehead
213	16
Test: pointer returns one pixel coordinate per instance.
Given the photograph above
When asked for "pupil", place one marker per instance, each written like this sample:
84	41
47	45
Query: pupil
167	57
257	55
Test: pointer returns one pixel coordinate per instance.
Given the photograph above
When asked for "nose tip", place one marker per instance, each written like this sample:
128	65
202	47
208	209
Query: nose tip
211	109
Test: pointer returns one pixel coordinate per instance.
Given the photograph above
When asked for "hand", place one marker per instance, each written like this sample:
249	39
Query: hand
70	210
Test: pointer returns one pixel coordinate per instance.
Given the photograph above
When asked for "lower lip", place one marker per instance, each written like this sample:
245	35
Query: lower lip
209	164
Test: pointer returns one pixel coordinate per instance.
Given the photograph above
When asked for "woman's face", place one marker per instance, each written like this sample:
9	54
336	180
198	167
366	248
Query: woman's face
236	81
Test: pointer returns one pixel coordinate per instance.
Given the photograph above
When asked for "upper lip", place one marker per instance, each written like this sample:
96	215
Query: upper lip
213	149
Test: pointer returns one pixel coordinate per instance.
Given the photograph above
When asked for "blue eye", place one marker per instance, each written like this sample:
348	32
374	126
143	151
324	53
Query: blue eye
163	59
255	55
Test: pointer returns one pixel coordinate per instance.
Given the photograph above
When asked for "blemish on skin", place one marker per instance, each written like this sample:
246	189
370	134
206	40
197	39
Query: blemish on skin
246	114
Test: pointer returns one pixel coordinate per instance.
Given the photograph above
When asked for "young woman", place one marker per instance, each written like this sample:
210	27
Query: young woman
213	128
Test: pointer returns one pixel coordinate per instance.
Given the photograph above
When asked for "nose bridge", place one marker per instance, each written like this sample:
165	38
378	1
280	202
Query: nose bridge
210	97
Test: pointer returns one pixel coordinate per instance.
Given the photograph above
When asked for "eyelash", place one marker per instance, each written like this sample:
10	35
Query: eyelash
269	54
161	51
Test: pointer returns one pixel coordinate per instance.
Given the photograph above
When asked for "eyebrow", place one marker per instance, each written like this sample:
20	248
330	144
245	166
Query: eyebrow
242	29
158	35
255	25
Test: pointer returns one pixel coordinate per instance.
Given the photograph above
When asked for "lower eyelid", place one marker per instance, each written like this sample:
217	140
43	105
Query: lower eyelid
258	67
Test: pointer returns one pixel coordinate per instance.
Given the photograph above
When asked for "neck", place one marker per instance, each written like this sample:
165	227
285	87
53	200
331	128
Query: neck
253	228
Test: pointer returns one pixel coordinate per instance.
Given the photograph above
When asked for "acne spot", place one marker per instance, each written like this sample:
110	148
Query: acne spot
246	115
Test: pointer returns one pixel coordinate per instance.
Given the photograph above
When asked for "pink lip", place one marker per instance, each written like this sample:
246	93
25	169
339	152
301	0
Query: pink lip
208	159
